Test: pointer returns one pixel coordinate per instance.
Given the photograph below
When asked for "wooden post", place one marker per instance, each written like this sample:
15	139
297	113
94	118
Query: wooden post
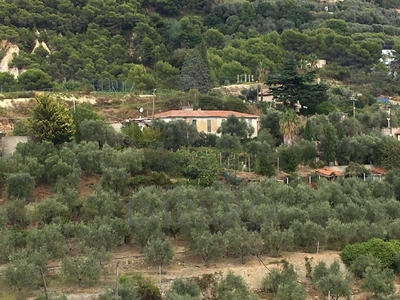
46	292
317	247
117	283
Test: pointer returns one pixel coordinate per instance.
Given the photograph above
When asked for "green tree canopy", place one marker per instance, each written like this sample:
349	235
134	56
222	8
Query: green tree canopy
194	74
292	87
50	120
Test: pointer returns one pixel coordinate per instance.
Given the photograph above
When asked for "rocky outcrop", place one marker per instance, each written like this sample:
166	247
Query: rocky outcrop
10	49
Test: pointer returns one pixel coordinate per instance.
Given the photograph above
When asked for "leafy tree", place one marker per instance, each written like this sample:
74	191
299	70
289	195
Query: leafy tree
235	126
49	238
278	240
19	185
278	277
7	244
80	113
384	251
21	127
289	158
235	288
214	38
50	121
290	291
209	246
20	274
49	209
362	262
127	290
194	74
35	79
16	212
7	82
334	283
81	270
159	251
243	243
388	153
101	203
114	179
229	143
183	289
145	227
290	87
378	281
99	131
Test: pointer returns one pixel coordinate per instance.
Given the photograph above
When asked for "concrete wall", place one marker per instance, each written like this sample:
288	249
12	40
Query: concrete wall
9	143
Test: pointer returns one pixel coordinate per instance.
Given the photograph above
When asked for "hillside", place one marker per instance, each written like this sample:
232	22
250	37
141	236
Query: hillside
139	46
165	211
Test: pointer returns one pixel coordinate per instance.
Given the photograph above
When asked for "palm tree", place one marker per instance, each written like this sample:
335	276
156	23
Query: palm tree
289	125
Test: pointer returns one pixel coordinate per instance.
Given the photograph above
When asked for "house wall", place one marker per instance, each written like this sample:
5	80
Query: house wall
9	143
202	123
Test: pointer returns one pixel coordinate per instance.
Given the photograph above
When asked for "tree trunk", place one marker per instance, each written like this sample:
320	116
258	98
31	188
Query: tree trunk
46	292
19	295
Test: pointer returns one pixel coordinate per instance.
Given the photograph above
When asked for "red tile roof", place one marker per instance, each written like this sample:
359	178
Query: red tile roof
378	171
397	132
328	172
202	114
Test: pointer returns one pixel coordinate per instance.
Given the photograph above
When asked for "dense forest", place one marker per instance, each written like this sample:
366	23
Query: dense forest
154	44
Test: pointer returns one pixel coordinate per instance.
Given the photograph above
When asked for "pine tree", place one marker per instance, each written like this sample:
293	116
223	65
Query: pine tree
194	74
50	120
291	86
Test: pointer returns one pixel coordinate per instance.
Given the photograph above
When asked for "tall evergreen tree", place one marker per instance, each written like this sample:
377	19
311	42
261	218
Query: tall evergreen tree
291	87
50	120
309	134
194	74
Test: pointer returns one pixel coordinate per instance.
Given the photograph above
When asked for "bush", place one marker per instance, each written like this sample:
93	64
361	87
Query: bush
384	251
19	185
276	278
154	178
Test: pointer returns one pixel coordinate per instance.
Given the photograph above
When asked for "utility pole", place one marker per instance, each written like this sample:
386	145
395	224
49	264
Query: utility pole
353	98
154	96
354	106
388	119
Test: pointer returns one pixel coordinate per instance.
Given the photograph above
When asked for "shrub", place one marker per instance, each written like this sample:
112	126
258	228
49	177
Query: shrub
19	185
384	251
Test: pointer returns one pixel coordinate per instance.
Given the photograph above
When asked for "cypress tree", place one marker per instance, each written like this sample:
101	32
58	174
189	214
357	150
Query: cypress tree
194	74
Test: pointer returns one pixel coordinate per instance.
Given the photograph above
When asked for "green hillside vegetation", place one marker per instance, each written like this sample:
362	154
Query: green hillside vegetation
130	45
170	183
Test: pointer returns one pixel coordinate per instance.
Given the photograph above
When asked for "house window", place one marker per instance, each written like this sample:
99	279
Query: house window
208	125
250	122
194	123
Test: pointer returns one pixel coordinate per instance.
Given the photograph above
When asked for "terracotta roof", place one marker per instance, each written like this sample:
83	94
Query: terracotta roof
397	132
378	171
202	114
328	172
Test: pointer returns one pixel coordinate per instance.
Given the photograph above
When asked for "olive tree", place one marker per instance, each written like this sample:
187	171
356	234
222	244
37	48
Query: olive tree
20	274
159	251
81	270
19	185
